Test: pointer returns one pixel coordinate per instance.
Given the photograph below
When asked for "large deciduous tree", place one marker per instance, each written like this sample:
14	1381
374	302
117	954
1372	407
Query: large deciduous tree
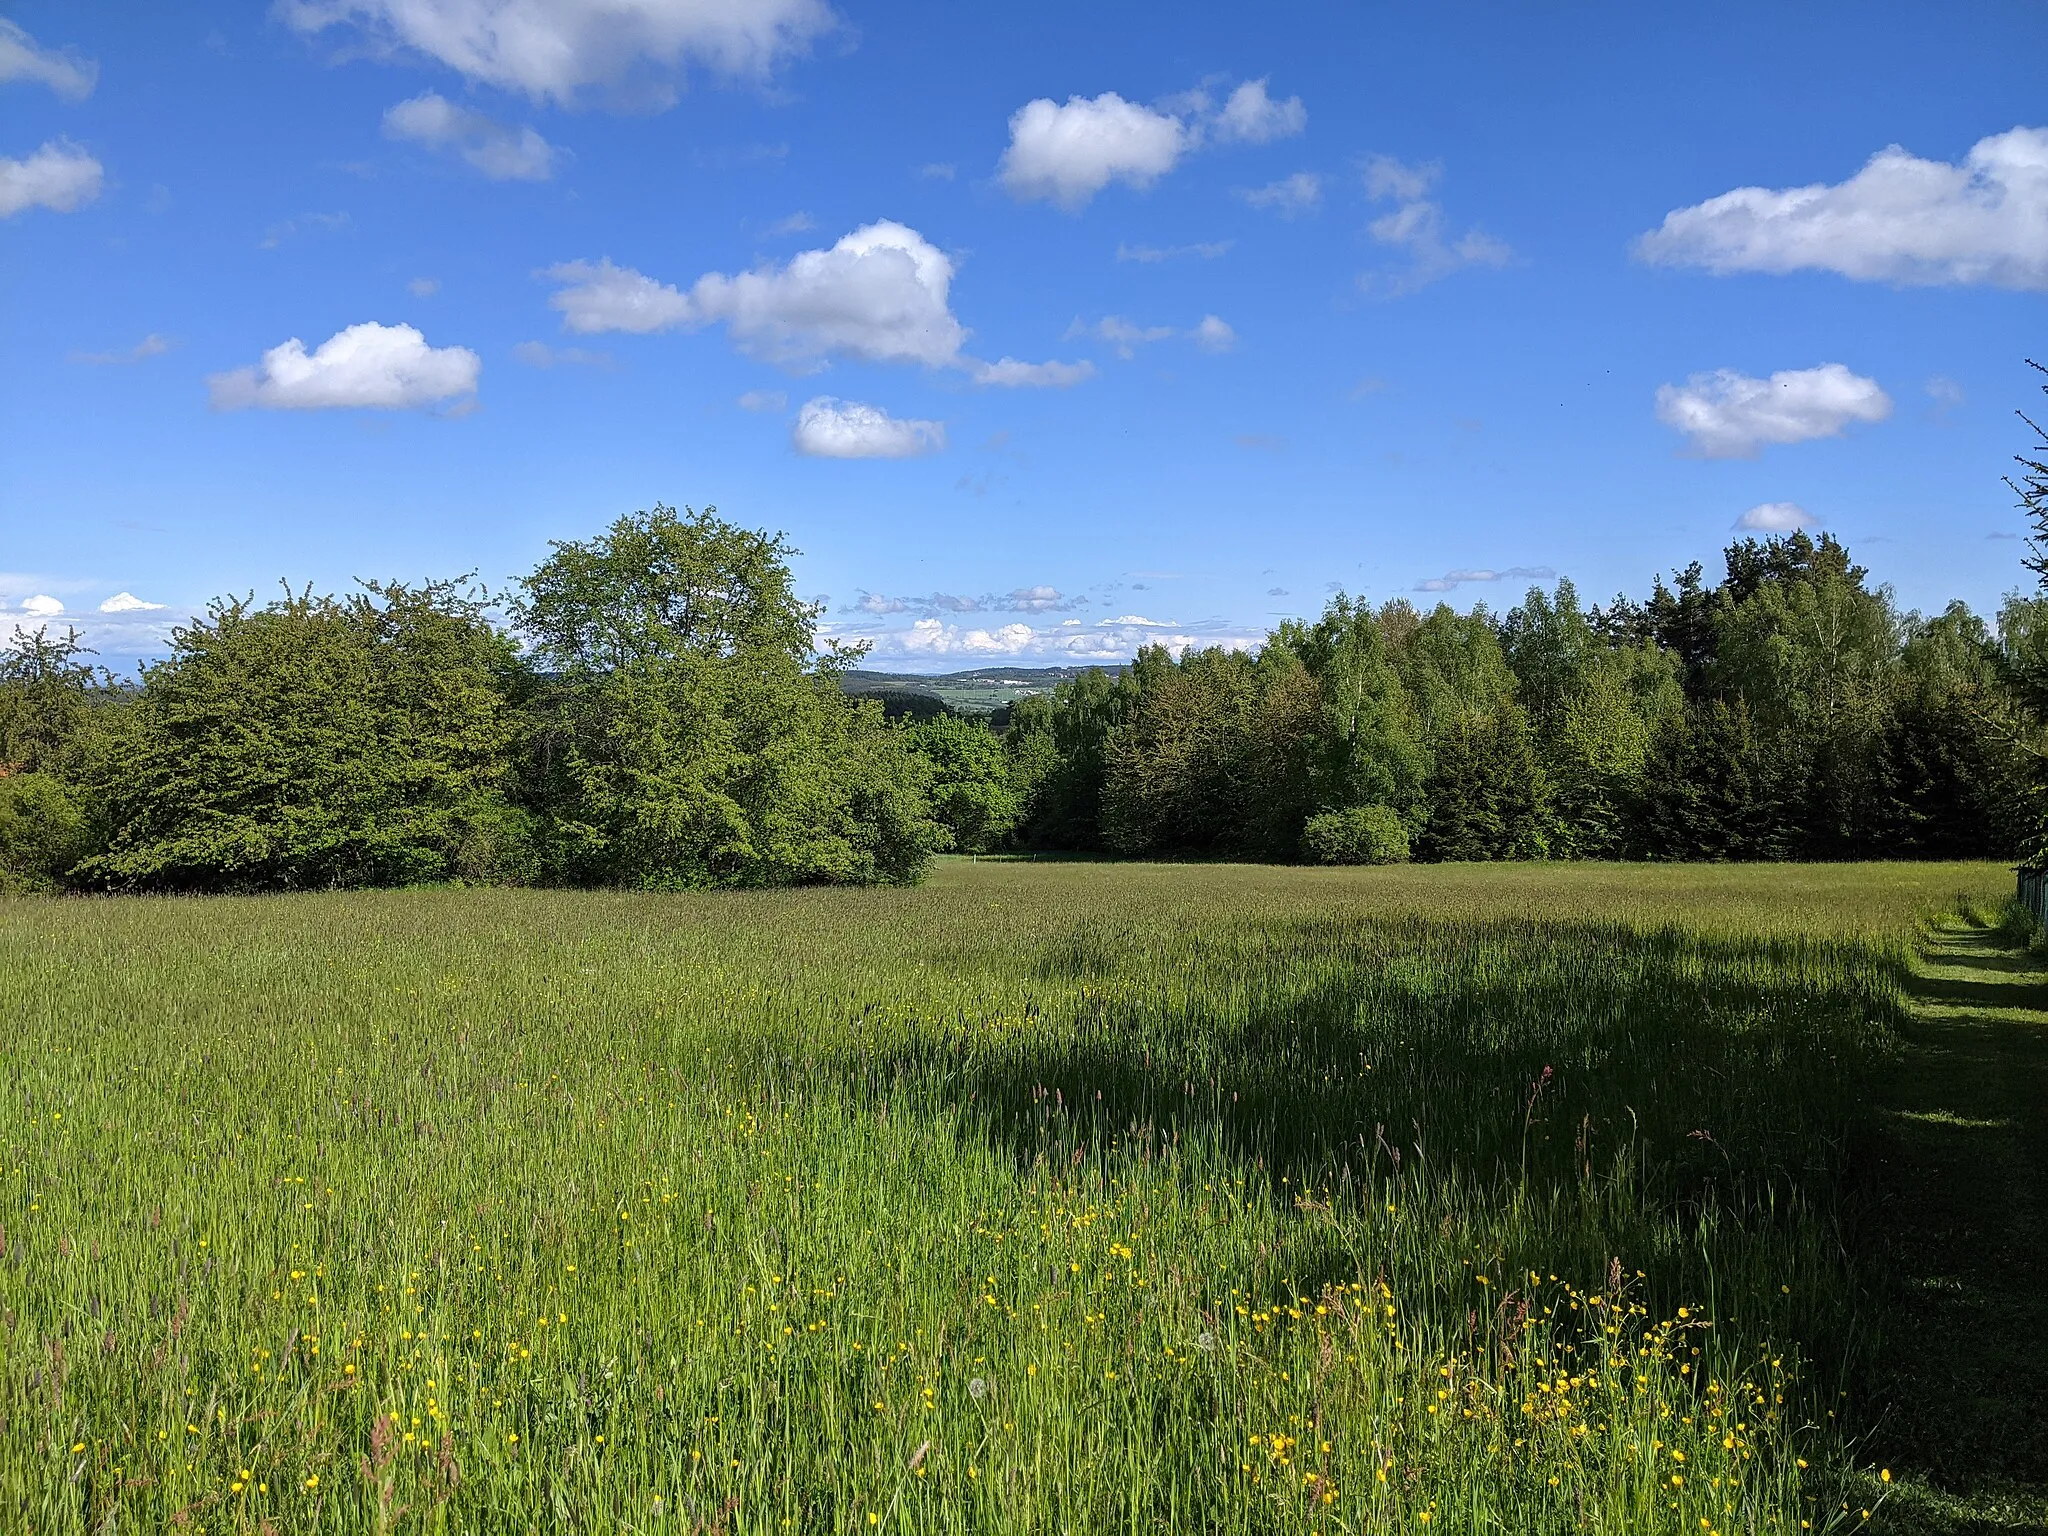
689	733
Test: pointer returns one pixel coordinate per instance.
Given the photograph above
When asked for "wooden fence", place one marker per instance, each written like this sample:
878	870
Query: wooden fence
2033	891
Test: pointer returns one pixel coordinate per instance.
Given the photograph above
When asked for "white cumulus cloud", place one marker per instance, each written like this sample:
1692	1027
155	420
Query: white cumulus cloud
882	294
60	176
63	71
1900	219
498	150
846	429
1730	415
637	50
128	602
935	637
1777	517
932	638
41	606
602	297
1250	116
383	367
1067	154
1038	599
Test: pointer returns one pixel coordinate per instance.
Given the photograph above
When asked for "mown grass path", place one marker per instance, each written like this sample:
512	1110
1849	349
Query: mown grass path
1963	1232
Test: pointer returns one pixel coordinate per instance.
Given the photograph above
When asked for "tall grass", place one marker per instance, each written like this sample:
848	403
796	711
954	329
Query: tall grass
1044	1198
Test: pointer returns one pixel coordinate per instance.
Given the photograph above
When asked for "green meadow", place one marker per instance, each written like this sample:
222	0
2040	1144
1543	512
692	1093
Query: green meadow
1049	1197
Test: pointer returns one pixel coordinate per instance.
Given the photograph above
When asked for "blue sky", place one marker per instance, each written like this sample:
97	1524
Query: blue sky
1039	336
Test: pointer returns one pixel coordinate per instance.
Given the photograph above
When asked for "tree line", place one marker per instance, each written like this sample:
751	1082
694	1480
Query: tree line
651	708
1787	711
652	712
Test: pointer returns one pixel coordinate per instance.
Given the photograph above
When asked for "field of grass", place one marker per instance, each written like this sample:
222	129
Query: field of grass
1045	1197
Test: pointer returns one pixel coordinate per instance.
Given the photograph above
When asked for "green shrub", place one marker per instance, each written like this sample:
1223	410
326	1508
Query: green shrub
1361	834
44	831
319	742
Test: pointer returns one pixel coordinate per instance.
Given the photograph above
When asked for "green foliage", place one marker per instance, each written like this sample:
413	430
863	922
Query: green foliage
1810	652
974	783
1489	797
1789	711
44	831
1453	667
1368	748
1596	749
1597	701
1068	750
1715	789
687	735
1551	646
1210	757
672	725
1949	772
46	699
663	584
1031	741
1359	834
318	742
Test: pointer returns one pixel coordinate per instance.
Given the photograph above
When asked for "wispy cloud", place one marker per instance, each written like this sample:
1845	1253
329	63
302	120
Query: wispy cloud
497	150
1032	599
1124	337
1450	581
1205	250
150	346
1290	196
538	354
305	224
63	70
1417	225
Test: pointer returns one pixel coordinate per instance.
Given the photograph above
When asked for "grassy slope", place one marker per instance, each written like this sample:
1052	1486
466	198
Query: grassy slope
1170	1160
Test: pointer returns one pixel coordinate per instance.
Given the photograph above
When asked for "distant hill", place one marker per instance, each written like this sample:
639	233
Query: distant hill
979	691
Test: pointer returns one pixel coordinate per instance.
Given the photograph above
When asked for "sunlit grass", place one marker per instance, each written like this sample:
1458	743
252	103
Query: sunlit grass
1054	1197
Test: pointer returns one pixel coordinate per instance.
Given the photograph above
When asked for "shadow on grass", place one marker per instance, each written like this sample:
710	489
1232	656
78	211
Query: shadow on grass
1960	1233
1759	1122
1555	1096
1975	992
